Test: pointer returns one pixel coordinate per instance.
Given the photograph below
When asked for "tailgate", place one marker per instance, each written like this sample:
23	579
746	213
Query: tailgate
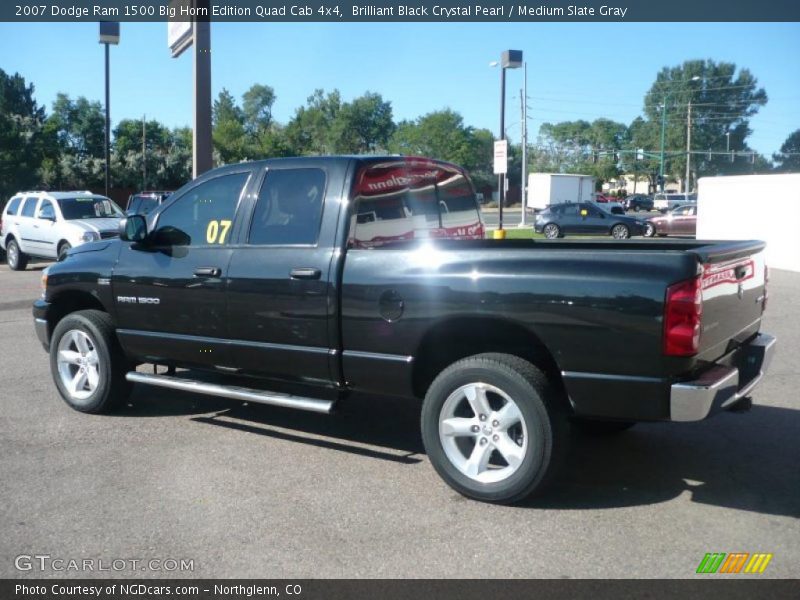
733	292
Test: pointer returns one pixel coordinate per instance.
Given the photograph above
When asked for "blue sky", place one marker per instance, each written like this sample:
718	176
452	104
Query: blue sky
575	70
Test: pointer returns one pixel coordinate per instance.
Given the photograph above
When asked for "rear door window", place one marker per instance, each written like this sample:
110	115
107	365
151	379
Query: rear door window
569	210
409	199
289	208
29	208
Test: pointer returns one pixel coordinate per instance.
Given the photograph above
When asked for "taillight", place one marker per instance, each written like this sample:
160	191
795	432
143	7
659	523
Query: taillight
683	309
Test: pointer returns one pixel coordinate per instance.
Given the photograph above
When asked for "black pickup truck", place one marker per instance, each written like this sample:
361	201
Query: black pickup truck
295	282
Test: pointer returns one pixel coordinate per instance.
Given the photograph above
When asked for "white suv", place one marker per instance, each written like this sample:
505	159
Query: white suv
667	201
47	224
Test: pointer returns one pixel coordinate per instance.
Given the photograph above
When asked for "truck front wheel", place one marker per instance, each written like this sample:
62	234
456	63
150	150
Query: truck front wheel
87	364
493	427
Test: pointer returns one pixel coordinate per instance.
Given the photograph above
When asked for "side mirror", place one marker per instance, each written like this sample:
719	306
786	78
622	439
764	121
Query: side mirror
133	229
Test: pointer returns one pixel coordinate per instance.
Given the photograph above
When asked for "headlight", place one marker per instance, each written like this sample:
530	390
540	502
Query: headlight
90	236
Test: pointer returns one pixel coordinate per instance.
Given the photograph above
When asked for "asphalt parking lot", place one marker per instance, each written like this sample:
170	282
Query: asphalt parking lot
256	491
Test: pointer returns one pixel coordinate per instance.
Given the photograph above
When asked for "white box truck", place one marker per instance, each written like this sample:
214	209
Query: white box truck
747	207
545	189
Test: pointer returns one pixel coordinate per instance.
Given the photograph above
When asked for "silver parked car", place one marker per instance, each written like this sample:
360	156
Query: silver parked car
48	224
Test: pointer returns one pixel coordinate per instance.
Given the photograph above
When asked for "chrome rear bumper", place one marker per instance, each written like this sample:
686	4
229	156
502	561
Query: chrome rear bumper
722	387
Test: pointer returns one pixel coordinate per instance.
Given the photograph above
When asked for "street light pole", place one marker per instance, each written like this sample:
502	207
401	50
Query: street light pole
523	195
109	34
501	194
108	123
509	59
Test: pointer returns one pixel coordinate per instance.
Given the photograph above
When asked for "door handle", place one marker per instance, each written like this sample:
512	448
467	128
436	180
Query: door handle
305	273
207	272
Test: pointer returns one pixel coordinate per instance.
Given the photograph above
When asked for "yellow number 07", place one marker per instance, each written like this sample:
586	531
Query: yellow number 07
217	230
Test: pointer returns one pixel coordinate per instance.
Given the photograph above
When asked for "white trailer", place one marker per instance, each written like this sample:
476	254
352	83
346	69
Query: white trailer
747	207
545	189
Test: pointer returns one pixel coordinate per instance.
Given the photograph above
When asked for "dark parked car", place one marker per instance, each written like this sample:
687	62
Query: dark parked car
144	202
681	220
585	218
297	282
637	202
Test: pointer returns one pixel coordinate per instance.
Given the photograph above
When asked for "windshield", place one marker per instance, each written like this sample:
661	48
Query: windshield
88	208
142	204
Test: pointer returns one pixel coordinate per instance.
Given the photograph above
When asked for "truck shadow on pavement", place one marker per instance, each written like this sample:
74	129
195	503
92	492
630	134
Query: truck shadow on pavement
742	461
382	428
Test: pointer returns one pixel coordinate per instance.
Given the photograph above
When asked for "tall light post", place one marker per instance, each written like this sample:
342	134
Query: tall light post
109	34
663	131
523	187
509	59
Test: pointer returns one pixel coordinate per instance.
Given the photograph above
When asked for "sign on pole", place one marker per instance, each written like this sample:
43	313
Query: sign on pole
501	157
180	34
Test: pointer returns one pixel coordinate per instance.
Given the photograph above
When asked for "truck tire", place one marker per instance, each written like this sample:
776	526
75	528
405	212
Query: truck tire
493	428
87	364
597	427
17	261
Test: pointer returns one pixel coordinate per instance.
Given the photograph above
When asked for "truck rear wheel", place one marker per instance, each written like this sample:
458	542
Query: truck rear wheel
493	427
87	364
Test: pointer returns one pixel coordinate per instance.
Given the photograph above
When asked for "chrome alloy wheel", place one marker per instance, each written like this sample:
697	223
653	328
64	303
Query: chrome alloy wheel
551	231
649	230
620	232
78	364
12	255
483	432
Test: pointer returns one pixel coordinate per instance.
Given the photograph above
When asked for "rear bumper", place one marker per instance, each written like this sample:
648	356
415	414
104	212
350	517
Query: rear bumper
722	387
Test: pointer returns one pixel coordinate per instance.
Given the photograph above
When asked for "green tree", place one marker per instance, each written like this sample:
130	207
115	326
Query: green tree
22	137
309	130
788	159
327	125
722	101
228	129
76	158
363	125
257	108
581	147
168	153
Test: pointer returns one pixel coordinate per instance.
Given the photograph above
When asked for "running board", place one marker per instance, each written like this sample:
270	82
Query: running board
233	392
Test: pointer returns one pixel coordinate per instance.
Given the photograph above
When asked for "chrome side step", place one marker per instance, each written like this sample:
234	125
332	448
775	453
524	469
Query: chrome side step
233	392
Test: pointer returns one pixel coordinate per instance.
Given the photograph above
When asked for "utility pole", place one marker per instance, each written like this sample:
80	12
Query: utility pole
144	152
663	132
687	187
